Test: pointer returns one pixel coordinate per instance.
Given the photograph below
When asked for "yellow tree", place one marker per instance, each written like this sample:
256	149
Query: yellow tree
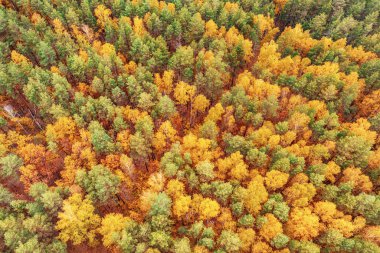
332	170
370	105
325	210
184	93
123	137
247	237
163	138
300	194
266	27
77	221
215	113
358	54
62	132
138	26
156	182
362	128
296	38
211	29
361	182
18	58
279	5
181	206
112	223
234	38
226	219
234	166
254	195
260	137
199	148
261	247
302	224
270	228
208	209
164	83
175	188
127	165
374	162
275	179
200	103
334	219
102	14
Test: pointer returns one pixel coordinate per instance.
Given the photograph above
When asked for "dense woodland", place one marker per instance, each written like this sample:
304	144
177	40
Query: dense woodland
190	126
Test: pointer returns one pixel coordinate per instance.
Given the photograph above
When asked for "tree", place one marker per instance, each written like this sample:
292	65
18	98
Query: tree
5	196
160	240
229	241
112	223
222	190
247	237
163	138
266	27
205	170
280	241
10	165
370	71
209	130
254	195
234	166
276	179
175	188
77	222
140	149
161	205
271	228
208	209
63	132
39	165
360	182
182	245
182	61
48	201
99	183
352	150
201	103
369	105
46	54
102	142
261	247
165	108
215	113
300	194
304	246
165	84
140	142
367	205
181	206
102	14
302	224
32	233
183	93
198	148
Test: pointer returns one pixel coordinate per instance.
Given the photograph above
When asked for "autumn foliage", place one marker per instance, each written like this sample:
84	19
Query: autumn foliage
190	126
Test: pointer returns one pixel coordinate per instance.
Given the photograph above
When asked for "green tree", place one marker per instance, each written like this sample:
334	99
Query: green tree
102	142
229	241
352	151
99	183
9	167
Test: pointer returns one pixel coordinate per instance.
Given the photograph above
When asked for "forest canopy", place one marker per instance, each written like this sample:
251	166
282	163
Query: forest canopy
190	126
